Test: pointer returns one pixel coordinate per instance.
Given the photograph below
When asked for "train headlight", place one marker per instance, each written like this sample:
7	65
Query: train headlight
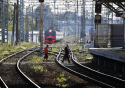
50	30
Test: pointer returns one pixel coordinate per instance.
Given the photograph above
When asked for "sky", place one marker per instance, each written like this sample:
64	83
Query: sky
61	6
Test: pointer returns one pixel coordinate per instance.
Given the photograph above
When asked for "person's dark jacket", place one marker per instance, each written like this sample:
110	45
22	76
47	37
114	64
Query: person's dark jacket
66	51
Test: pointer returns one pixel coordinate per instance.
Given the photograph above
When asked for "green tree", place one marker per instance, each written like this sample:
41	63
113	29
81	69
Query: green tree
49	20
10	17
68	30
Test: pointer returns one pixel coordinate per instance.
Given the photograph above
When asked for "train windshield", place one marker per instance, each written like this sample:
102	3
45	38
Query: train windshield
47	33
53	33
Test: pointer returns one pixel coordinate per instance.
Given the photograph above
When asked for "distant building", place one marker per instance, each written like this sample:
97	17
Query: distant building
35	36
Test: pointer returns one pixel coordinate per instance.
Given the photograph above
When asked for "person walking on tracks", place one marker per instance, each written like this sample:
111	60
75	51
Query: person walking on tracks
66	55
46	53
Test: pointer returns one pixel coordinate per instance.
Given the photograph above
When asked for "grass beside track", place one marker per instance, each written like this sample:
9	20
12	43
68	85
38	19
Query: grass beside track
7	49
37	59
84	56
55	44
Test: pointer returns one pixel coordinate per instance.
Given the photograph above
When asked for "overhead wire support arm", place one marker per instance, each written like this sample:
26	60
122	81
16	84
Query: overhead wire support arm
111	8
119	4
123	5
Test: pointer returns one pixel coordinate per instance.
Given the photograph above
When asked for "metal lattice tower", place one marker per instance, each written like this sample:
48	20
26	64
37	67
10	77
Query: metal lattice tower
83	22
4	21
27	25
21	14
1	42
92	22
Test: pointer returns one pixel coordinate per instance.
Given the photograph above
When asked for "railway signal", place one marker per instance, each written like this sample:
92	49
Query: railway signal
98	7
41	0
97	18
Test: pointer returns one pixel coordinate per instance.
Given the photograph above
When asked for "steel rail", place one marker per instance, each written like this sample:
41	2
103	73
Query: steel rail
18	63
14	54
3	83
9	57
79	74
96	72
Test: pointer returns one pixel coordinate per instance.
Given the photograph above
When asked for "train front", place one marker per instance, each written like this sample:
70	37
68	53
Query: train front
50	36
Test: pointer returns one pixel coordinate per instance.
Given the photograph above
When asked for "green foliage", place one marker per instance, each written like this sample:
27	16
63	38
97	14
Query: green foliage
28	45
76	47
57	44
61	75
5	53
40	68
36	59
55	49
88	57
62	79
64	85
10	17
84	55
30	26
68	30
48	14
6	49
1	56
10	27
77	53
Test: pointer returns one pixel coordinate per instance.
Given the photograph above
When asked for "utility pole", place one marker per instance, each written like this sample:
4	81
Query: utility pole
22	21
97	35
3	23
92	24
54	13
41	18
26	35
57	18
78	31
27	24
83	25
17	23
78	23
20	33
12	40
7	21
75	25
32	24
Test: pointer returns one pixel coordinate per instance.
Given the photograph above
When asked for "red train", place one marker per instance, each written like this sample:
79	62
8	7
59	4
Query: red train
50	36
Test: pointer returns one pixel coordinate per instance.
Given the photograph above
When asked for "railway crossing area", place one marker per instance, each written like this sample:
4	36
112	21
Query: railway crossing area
83	42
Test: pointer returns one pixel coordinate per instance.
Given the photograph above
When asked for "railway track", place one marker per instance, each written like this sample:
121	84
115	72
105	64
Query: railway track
98	78
2	83
11	72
